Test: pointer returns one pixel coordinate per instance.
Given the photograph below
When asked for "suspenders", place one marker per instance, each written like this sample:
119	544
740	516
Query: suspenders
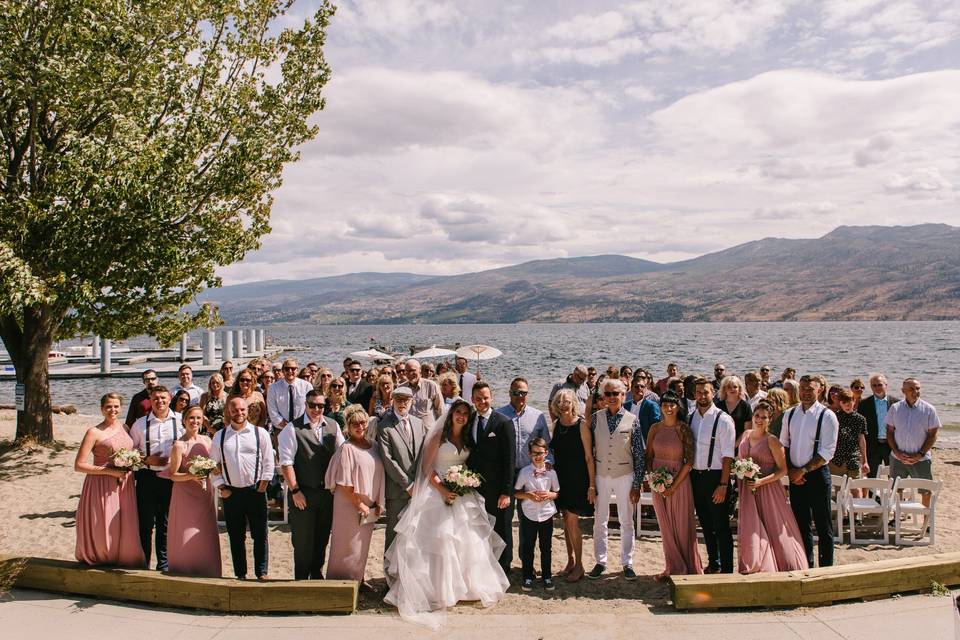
713	439
147	431
223	457
816	437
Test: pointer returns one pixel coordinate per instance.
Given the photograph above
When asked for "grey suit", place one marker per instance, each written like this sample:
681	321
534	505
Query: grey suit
400	455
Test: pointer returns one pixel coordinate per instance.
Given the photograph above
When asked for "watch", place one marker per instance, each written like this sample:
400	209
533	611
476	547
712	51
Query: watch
294	491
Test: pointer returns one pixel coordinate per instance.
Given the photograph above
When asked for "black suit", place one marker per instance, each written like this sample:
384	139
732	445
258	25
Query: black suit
493	455
361	395
877	450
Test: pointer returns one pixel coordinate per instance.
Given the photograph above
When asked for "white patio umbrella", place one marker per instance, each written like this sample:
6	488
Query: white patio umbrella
372	354
433	352
478	352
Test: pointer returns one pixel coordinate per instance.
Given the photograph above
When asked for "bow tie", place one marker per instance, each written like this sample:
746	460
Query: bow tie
539	472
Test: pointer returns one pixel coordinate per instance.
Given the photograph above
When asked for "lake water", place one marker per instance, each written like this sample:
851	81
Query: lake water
546	353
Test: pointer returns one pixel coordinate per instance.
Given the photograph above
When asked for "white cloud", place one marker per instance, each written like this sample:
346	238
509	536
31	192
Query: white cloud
590	28
875	150
927	179
641	93
394	18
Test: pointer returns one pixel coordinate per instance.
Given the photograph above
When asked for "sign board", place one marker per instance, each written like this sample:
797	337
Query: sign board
19	393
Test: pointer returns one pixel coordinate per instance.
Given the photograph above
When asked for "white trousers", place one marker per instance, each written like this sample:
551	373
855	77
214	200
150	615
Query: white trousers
607	487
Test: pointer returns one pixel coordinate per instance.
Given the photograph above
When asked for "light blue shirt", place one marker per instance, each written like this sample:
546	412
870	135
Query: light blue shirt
529	425
881	406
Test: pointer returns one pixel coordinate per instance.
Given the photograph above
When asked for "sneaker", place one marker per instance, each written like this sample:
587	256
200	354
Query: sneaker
597	571
548	584
629	573
527	584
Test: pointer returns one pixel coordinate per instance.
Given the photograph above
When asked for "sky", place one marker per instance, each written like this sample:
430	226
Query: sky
465	135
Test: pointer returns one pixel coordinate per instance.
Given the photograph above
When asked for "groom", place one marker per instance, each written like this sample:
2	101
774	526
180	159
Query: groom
493	450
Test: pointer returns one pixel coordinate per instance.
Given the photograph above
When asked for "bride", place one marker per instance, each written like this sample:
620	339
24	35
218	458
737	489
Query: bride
445	550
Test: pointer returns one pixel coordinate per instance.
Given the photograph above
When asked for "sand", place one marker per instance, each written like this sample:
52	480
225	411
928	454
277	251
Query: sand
39	491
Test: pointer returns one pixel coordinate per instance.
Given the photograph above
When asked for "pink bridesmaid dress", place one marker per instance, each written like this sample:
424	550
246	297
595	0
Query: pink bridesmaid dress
193	540
108	530
362	470
678	525
767	532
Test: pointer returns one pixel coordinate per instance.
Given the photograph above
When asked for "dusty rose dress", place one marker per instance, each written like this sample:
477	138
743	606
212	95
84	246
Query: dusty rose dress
361	469
193	541
767	531
108	530
678	525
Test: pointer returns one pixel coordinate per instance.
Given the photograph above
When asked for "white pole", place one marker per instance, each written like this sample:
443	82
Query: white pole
226	346
209	341
183	348
95	349
105	355
238	343
251	340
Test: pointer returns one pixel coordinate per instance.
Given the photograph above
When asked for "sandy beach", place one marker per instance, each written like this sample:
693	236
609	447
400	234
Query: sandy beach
39	491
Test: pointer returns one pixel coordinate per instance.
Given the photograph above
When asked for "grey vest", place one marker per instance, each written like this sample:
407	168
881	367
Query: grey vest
313	457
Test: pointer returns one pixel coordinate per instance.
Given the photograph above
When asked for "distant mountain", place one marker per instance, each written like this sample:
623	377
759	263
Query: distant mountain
852	273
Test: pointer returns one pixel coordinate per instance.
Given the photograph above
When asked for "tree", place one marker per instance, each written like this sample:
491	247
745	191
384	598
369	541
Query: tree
142	141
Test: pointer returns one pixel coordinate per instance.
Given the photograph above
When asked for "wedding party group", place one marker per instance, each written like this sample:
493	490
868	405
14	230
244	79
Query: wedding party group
425	452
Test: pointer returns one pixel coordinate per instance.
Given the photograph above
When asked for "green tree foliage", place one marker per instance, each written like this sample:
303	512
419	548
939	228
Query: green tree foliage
142	140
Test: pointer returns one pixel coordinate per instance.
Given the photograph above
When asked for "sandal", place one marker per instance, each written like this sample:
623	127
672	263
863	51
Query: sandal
574	575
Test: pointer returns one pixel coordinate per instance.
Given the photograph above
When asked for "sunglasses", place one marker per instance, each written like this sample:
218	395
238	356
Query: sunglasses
316	405
611	394
519	394
856	388
537	454
289	368
245	380
153	379
336	386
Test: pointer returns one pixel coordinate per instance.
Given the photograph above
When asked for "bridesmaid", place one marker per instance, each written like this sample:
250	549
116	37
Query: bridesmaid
355	476
670	445
108	530
767	531
193	540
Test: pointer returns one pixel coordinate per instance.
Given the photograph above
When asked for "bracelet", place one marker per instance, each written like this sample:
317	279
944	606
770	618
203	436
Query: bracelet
294	491
591	488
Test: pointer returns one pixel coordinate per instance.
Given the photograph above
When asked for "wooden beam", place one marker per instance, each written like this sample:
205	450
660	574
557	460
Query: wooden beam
815	586
213	594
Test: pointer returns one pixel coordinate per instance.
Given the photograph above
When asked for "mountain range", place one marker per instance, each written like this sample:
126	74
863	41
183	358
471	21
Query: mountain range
852	273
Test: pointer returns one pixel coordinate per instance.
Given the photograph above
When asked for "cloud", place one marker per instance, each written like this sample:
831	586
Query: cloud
641	93
392	18
589	28
924	179
876	149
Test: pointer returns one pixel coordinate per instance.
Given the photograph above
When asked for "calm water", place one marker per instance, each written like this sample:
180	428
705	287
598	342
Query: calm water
545	353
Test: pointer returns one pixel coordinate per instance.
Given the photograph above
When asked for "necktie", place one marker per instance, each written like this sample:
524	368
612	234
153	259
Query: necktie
406	431
461	384
480	424
290	404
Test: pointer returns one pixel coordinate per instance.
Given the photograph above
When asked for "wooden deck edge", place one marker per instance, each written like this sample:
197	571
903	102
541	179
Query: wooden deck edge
815	586
211	594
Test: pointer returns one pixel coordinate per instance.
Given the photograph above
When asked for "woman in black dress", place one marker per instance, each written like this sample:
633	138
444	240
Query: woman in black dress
730	401
572	446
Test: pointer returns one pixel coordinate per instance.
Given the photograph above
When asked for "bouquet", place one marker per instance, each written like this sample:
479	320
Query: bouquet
202	467
130	459
461	480
746	469
660	479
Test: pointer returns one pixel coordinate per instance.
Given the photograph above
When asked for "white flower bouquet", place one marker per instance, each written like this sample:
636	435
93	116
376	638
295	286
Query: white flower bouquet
202	467
461	480
130	459
660	479
746	469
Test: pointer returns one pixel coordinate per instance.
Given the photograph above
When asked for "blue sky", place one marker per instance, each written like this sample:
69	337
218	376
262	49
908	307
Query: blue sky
461	136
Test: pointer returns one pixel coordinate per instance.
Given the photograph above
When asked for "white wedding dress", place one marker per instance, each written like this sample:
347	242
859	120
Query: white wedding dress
443	554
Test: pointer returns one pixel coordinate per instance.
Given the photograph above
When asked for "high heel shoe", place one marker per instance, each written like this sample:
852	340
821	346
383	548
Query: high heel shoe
575	575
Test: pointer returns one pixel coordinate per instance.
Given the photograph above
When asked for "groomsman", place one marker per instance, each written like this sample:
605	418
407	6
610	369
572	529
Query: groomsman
618	456
246	463
185	374
465	379
359	391
154	435
874	409
493	452
809	435
140	402
287	397
714	435
400	436
306	446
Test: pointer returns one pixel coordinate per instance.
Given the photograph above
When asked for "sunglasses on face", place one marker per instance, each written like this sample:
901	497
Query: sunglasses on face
611	394
537	454
316	405
289	368
855	388
153	379
246	380
519	394
356	370
336	386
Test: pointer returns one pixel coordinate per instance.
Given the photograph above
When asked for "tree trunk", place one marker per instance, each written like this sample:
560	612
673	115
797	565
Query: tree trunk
29	348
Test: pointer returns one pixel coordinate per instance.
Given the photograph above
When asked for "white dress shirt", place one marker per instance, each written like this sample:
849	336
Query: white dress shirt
756	399
287	440
466	380
529	480
911	424
702	427
194	391
236	451
799	432
278	400
162	435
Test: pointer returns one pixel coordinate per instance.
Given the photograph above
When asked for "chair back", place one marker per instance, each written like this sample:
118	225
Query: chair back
876	488
908	489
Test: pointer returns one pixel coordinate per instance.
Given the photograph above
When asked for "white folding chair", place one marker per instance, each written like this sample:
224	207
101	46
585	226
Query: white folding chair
838	495
875	501
883	471
646	500
907	502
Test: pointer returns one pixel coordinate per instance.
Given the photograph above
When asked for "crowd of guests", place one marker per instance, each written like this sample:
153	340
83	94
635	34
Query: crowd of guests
350	449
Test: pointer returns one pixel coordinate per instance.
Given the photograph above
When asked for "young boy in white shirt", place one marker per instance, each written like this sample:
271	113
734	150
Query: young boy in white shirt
537	487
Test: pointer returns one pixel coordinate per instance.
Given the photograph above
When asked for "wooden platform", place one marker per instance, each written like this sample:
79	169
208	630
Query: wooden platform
213	594
816	586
